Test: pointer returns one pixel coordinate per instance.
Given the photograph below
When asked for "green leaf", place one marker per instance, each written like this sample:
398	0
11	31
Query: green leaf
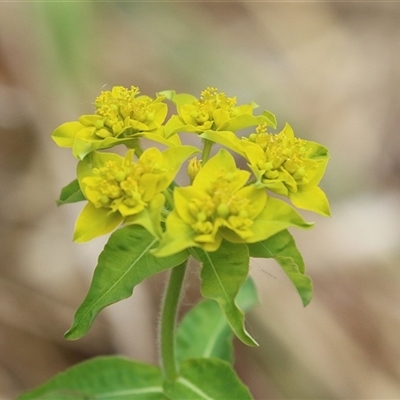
105	378
71	193
224	272
283	248
206	379
204	331
125	262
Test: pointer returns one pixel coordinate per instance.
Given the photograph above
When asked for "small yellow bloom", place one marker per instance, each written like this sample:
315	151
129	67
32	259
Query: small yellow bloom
288	166
121	190
213	111
122	110
210	110
220	205
121	117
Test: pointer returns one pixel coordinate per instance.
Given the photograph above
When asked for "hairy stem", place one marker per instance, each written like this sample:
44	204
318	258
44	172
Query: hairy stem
168	320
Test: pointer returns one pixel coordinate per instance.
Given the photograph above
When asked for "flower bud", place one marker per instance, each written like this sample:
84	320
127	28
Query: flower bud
193	168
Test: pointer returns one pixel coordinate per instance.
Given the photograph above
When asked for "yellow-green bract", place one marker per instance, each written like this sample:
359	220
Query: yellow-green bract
220	204
121	190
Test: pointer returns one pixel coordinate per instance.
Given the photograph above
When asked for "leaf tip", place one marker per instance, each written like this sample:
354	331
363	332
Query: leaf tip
71	334
306	300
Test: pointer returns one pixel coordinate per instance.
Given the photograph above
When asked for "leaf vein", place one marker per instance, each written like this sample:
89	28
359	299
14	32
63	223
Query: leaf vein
194	388
151	389
119	280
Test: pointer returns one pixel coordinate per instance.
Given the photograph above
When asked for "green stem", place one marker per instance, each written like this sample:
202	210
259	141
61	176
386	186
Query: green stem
206	151
168	320
169	198
138	148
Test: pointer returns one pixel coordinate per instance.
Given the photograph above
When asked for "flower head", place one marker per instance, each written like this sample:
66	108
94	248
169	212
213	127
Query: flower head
204	113
212	111
121	116
221	205
121	111
288	166
121	190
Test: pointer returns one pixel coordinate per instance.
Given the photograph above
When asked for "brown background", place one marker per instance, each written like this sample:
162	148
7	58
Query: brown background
331	69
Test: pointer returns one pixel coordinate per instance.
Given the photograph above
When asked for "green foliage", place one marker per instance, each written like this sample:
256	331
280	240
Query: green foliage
282	248
117	378
222	218
105	378
206	379
204	331
224	272
125	262
205	356
71	193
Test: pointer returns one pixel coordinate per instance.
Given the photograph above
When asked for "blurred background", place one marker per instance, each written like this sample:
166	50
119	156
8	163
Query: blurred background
330	69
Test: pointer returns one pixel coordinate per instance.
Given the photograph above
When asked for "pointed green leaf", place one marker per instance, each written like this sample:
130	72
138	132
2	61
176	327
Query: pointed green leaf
105	378
224	272
206	379
71	193
283	248
204	331
125	262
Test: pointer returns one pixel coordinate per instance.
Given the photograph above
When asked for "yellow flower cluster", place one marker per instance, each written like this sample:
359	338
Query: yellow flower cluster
288	166
117	186
120	110
212	111
221	204
201	112
121	190
122	116
222	201
284	158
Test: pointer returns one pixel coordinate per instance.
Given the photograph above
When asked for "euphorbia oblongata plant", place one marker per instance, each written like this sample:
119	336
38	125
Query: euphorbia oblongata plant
220	216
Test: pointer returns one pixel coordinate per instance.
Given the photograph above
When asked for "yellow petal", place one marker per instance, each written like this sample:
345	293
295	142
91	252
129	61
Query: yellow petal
313	199
276	216
150	217
66	133
93	222
178	236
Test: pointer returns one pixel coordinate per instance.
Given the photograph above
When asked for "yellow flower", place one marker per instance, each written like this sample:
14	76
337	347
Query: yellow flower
122	110
220	205
288	166
121	116
212	111
121	190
